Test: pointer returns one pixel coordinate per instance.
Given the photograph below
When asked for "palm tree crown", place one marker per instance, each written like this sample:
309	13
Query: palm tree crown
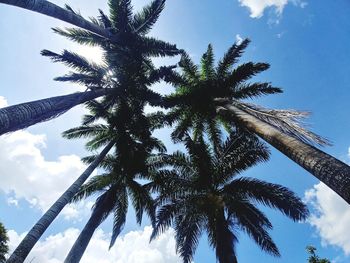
203	192
202	90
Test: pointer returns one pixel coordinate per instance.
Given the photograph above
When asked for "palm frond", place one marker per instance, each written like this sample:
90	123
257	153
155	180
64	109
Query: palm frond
120	14
272	195
83	37
244	91
119	216
286	121
147	17
207	64
231	57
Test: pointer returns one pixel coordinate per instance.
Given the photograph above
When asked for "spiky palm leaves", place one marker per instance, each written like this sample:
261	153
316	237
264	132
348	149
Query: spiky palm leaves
134	144
129	59
201	90
127	53
209	96
204	193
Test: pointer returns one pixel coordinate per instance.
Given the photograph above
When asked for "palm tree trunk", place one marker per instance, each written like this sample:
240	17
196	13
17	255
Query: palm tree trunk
23	249
329	170
23	115
52	10
80	245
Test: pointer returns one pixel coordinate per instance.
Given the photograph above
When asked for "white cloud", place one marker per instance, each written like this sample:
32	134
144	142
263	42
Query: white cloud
26	174
257	7
12	201
134	247
239	39
3	102
331	217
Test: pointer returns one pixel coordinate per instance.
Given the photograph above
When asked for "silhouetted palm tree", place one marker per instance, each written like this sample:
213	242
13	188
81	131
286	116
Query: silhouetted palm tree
204	193
207	97
128	63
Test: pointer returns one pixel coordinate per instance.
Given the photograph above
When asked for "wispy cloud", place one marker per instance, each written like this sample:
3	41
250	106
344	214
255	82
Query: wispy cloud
257	7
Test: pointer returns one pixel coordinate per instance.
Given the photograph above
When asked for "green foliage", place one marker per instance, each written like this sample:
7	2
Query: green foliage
313	258
3	243
199	87
131	133
202	191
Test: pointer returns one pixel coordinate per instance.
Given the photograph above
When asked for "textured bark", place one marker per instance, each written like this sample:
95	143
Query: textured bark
23	249
329	170
52	10
23	115
80	245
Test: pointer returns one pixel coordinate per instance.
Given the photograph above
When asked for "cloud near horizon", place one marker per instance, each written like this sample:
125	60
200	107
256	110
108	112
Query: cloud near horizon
133	247
330	216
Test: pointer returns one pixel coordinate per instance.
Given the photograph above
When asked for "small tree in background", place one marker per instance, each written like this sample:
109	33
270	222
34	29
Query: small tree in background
3	243
313	258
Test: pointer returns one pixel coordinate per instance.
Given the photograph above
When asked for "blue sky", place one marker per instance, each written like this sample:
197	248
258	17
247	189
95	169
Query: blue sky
307	44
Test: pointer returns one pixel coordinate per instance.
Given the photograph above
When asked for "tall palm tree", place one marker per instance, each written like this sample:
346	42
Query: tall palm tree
207	97
65	14
203	192
131	53
26	245
132	135
3	243
20	116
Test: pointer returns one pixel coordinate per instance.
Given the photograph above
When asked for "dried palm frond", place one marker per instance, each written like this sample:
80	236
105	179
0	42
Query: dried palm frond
290	122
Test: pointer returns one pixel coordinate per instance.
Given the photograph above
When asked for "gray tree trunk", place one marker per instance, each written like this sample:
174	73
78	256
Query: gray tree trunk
52	10
329	170
23	115
23	249
80	245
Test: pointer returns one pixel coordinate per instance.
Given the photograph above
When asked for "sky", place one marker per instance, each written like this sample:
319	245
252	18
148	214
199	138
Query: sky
307	44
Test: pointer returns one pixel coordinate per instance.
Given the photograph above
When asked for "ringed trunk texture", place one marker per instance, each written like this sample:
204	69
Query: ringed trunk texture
329	170
23	115
80	245
52	10
23	249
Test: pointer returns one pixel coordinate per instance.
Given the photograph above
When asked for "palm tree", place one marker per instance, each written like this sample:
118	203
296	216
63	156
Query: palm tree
131	53
203	193
3	243
207	97
20	116
26	245
313	258
131	132
65	14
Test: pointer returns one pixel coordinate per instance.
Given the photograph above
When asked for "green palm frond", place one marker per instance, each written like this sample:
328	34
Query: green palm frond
189	68
119	216
104	19
157	48
244	91
231	57
207	64
120	14
81	36
75	61
188	229
268	194
85	131
93	186
147	17
244	72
